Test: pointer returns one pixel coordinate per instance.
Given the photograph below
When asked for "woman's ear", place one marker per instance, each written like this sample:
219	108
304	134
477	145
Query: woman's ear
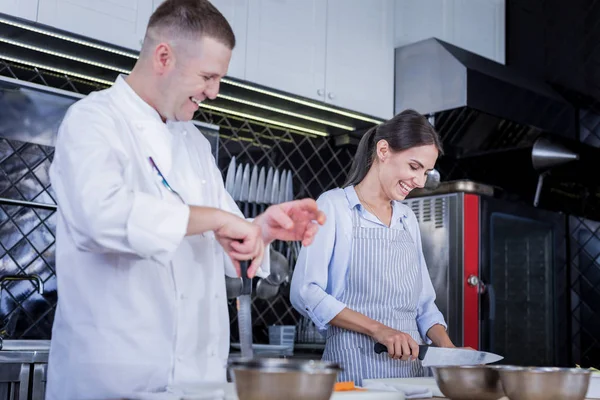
383	150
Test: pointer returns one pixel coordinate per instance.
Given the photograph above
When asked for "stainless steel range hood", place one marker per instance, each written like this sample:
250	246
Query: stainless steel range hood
476	100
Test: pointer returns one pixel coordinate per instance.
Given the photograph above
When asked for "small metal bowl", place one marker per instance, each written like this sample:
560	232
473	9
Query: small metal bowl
541	383
469	382
289	379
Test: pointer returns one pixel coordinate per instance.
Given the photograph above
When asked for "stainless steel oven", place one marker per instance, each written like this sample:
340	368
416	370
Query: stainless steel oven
499	271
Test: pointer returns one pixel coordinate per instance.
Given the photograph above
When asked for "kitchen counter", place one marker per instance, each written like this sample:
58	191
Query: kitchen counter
24	351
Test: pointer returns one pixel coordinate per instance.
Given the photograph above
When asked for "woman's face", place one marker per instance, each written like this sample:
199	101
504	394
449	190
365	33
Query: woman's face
400	172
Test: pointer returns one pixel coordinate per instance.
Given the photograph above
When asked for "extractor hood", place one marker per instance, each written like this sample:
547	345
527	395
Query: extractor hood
478	104
492	119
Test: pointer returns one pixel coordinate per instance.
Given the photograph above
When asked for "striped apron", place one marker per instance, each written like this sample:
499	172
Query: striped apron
383	282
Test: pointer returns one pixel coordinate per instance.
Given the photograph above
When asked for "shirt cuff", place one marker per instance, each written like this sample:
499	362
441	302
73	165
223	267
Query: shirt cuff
155	228
325	311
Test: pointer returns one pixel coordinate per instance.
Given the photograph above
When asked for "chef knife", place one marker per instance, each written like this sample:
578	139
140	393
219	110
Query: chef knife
244	306
237	183
266	199
230	178
260	190
282	187
274	195
245	189
252	191
441	356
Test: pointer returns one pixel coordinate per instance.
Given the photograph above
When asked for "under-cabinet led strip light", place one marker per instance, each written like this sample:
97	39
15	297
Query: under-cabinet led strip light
206	106
224	80
68	38
126	71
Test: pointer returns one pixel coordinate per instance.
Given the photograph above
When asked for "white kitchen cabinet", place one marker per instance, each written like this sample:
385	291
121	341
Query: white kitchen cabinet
120	22
360	56
286	45
236	12
26	9
474	25
336	51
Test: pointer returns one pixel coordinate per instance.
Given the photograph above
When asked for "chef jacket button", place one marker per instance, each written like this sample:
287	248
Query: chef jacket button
216	295
179	358
182	296
204	181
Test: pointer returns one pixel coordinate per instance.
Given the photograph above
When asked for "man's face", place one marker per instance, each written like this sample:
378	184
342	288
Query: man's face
193	75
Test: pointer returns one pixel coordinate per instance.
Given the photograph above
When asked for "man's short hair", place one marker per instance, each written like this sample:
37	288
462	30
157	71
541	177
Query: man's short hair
191	19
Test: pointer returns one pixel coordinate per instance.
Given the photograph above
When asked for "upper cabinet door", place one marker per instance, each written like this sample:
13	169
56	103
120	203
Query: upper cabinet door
479	26
360	56
236	13
26	9
286	45
120	22
474	25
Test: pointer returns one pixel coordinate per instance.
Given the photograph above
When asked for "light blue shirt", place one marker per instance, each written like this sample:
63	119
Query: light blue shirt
320	272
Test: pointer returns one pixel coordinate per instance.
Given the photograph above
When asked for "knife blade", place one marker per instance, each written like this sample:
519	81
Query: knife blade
274	195
230	178
290	187
266	196
282	187
441	356
237	183
245	189
260	189
252	191
244	306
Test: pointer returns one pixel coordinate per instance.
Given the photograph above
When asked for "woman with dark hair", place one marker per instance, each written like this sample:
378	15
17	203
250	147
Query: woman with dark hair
364	280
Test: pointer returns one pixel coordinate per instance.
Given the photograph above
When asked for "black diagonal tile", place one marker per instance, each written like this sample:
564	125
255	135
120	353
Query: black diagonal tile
42	173
8	266
29	186
9	235
32	154
23	253
26	219
41	238
5	183
14	167
3	216
40	268
5	149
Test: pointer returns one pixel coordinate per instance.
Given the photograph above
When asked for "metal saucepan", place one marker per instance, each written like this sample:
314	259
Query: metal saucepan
276	379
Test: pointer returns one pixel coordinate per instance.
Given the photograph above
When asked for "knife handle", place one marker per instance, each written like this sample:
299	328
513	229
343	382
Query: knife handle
381	348
246	281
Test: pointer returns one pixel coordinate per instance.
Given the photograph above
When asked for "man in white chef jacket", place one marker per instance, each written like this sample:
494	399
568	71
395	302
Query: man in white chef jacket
141	259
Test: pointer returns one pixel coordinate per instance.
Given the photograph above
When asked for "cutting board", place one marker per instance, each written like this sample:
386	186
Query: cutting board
367	394
426	382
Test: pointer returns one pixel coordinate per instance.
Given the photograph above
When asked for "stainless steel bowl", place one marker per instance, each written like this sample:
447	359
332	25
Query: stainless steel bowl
477	382
289	379
539	383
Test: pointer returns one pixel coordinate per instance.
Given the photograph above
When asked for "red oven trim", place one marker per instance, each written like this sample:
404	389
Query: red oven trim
471	267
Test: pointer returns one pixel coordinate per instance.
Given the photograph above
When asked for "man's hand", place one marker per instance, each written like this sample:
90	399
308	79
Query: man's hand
296	220
241	240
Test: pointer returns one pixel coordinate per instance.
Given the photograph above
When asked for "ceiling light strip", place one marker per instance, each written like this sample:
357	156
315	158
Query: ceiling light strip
281	111
68	38
63	55
57	70
265	120
303	102
206	106
126	71
224	80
